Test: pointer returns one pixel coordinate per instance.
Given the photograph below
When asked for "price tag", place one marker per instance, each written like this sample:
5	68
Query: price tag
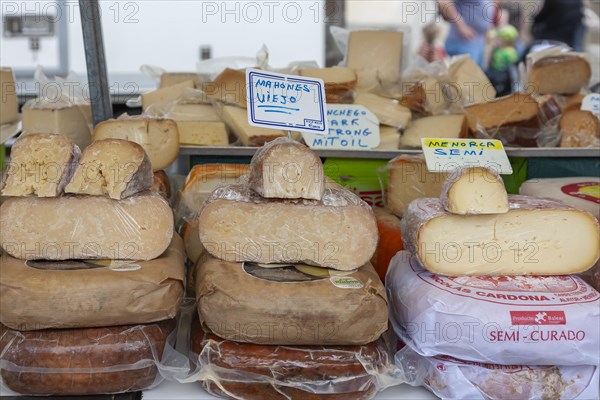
279	101
444	155
591	103
351	127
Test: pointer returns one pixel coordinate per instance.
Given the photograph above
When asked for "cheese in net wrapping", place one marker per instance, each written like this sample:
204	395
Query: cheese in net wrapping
85	361
88	293
535	237
339	232
290	304
86	227
451	378
249	371
525	320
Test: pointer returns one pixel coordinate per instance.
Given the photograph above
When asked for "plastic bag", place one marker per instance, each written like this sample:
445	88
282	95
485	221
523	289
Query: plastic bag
60	92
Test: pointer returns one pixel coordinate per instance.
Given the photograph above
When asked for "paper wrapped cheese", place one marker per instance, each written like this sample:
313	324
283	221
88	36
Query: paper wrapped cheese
290	305
112	167
337	232
84	361
87	293
86	227
284	168
526	320
40	164
248	371
535	237
474	190
578	192
451	378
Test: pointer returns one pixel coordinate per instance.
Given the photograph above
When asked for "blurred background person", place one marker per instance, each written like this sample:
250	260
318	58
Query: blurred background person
560	21
430	49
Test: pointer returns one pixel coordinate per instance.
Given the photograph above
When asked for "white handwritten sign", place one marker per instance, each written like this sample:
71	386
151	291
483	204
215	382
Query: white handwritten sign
591	103
350	127
444	155
279	101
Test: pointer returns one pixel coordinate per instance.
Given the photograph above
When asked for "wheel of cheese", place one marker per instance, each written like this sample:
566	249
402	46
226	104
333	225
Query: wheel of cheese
248	371
290	304
89	293
85	361
86	227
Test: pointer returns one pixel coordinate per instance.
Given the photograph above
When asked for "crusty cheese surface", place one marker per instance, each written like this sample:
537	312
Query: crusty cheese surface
237	120
81	227
425	96
535	237
286	169
74	121
158	137
474	191
166	94
41	165
560	74
389	111
579	128
112	167
516	109
440	126
8	97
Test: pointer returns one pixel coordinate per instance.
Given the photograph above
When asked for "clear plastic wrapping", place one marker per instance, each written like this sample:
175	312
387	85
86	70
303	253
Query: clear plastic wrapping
519	320
451	378
84	361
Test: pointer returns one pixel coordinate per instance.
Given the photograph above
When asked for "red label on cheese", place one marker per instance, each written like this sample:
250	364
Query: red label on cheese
538	318
589	191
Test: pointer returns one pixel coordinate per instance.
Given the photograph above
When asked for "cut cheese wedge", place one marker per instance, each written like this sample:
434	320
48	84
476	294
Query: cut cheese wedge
229	87
439	126
535	237
9	105
474	191
389	111
173	78
165	94
159	137
81	227
337	232
469	84
286	169
389	138
332	77
425	96
41	165
199	125
237	120
560	74
112	167
517	109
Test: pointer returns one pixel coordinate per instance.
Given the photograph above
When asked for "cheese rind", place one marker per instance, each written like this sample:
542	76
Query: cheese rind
237	120
337	232
389	111
161	184
560	74
579	128
286	169
159	137
535	237
112	167
439	126
425	96
41	165
74	121
474	191
86	227
517	109
9	105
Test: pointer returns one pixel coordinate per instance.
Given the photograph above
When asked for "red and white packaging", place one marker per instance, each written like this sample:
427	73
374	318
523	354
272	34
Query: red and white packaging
528	320
451	378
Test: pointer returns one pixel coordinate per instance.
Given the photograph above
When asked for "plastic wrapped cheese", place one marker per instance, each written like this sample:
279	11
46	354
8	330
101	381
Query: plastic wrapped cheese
294	304
86	227
536	236
86	293
337	232
451	378
249	371
528	320
557	70
474	190
390	240
84	361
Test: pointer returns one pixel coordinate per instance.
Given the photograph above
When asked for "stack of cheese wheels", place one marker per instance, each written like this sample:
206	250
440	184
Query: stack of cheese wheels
489	278
92	274
289	265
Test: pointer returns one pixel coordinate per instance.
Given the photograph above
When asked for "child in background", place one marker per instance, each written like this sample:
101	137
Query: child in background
430	50
503	57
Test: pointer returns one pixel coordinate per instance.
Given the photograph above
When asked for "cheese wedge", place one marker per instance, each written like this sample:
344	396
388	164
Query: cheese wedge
425	97
389	111
165	94
286	169
199	125
337	232
535	237
112	167
579	128
332	76
517	109
159	137
81	227
9	105
560	74
468	83
74	121
237	120
439	126
229	87
389	138
474	191
41	165
173	78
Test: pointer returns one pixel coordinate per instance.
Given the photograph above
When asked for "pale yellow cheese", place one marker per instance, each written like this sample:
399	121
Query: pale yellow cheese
389	138
332	75
438	126
199	125
469	84
389	111
474	190
74	121
8	97
194	112
237	120
166	94
173	78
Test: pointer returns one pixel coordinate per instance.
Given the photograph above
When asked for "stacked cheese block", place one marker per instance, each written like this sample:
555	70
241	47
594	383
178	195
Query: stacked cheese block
289	305
484	297
92	274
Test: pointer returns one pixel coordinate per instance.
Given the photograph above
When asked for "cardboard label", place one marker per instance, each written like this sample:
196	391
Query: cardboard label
288	102
351	127
591	103
445	155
